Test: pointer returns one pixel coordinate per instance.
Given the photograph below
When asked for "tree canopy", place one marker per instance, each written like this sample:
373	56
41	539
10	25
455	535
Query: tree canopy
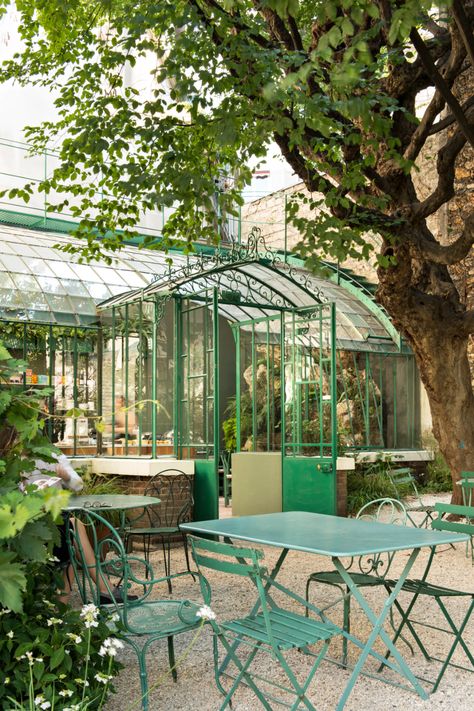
335	83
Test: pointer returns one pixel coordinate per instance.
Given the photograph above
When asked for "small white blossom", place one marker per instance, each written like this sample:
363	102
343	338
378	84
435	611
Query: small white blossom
7	680
66	692
89	614
84	682
205	613
39	659
110	647
115	617
54	621
75	637
53	559
74	707
103	678
10	634
41	702
29	656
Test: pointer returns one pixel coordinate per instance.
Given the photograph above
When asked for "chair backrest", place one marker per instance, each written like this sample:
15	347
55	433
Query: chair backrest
174	488
385	510
467	484
99	560
400	478
227	558
443	524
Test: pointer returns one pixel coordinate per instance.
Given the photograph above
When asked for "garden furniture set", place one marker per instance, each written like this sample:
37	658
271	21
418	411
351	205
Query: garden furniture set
362	551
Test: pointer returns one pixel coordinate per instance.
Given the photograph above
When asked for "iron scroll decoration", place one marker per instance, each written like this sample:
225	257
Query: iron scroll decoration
255	250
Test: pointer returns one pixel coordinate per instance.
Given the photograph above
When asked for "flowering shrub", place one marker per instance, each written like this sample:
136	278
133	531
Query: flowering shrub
52	656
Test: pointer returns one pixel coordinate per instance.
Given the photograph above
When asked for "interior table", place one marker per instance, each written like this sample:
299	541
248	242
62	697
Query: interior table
338	538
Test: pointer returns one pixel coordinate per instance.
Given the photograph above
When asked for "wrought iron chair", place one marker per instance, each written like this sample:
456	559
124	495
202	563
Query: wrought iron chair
175	490
268	628
422	588
372	570
402	478
143	620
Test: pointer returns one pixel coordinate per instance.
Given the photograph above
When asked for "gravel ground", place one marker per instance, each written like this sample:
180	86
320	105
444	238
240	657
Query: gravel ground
196	689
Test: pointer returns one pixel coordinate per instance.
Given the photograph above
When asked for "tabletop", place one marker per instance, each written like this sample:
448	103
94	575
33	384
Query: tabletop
118	502
326	535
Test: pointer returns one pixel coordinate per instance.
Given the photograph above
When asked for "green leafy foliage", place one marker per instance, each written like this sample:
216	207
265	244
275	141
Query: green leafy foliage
44	649
306	73
27	522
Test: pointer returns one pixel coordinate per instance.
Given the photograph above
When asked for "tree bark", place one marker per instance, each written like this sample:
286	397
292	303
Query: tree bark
433	326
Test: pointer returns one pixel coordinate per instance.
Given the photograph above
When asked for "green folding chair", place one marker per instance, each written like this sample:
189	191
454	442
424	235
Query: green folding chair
466	483
423	589
403	481
143	620
366	571
268	628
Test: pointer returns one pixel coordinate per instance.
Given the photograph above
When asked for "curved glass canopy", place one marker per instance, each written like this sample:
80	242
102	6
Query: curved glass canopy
253	282
40	283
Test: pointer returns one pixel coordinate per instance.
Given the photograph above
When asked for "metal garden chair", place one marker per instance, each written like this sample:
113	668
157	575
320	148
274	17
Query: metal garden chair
403	477
175	489
372	569
143	620
423	589
268	628
466	483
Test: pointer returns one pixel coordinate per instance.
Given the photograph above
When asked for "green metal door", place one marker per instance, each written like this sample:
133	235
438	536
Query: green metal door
197	400
309	446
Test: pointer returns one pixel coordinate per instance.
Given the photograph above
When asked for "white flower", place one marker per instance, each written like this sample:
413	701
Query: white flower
74	707
10	634
29	656
110	647
103	678
66	692
54	621
7	680
41	702
84	682
205	613
115	617
53	559
89	614
39	659
75	637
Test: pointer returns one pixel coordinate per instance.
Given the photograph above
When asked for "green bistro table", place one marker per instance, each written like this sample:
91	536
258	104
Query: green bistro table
338	538
112	502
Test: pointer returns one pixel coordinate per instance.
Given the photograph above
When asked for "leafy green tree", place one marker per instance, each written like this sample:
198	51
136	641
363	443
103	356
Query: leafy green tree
333	82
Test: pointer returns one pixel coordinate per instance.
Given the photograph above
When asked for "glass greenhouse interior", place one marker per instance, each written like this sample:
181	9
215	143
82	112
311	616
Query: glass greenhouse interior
234	348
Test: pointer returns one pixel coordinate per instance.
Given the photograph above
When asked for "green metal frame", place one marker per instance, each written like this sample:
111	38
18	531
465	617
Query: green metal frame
421	589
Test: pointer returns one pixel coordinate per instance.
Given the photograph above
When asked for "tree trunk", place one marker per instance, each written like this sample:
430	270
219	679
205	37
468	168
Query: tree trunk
431	323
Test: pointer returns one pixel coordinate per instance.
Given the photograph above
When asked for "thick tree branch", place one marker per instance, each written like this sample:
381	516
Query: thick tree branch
465	28
442	85
449	120
450	253
444	190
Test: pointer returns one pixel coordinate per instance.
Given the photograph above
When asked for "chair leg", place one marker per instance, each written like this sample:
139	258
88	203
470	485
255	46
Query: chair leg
167	560
186	553
172	660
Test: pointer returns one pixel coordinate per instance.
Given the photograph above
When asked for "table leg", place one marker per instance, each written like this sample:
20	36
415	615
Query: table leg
378	630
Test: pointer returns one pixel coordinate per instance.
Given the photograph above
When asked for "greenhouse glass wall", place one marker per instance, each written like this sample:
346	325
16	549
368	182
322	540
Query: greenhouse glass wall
186	356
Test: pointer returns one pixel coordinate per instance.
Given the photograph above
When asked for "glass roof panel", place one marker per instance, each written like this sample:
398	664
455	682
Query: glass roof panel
47	279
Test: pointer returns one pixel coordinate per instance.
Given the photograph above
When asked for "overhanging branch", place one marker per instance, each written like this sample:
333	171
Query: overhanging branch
442	85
